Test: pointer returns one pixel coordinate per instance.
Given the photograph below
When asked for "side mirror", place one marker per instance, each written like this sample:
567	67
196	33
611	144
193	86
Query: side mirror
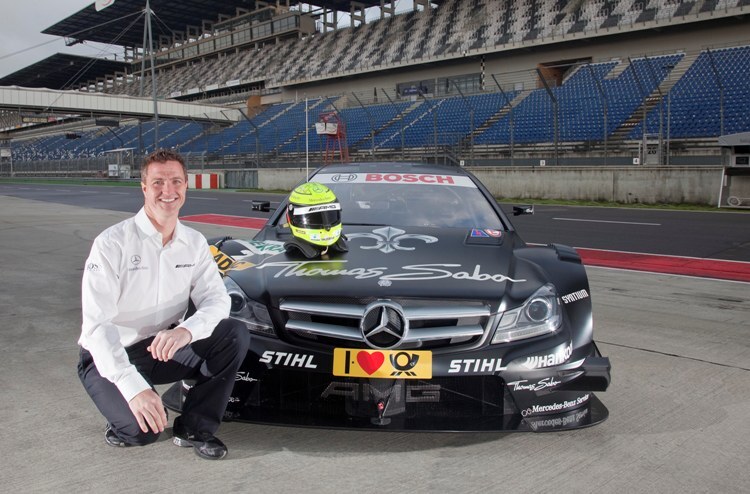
519	210
261	206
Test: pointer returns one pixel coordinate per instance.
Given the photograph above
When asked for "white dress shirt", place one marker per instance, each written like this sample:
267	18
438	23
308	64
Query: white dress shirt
133	287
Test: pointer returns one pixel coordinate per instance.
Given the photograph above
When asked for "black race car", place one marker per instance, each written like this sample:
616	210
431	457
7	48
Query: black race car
438	317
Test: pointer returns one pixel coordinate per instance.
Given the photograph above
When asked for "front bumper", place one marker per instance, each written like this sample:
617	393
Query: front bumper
475	391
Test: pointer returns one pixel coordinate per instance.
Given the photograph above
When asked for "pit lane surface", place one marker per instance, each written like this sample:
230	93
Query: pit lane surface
679	401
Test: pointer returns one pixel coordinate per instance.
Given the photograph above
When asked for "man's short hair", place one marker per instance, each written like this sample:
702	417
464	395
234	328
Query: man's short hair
162	156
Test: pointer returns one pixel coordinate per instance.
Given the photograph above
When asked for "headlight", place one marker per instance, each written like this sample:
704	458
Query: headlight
254	314
539	315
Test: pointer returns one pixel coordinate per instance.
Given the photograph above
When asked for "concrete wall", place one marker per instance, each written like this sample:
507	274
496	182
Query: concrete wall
650	185
696	185
280	178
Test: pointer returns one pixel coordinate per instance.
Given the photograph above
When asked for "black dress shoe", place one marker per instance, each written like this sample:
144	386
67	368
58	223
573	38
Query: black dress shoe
204	444
111	438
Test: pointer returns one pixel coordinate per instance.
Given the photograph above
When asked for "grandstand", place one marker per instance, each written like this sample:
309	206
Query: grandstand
492	82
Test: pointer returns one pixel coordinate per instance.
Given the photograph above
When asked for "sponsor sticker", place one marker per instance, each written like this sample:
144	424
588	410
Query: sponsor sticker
396	178
570	419
226	262
575	296
550	360
525	385
222	260
244	376
555	407
476	366
384	364
414	272
288	359
400	393
317	209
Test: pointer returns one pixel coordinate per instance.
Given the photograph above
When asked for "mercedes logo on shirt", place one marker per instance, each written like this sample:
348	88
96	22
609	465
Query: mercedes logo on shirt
136	260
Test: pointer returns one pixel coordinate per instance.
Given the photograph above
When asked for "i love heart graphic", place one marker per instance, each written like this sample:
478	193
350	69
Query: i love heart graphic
370	362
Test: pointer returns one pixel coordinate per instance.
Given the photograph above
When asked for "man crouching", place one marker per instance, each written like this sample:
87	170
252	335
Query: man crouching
138	281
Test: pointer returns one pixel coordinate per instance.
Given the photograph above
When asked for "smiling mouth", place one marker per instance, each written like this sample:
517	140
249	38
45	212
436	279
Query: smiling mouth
168	200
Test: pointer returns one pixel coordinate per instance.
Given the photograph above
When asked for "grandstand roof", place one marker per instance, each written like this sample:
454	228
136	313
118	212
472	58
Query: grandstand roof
89	25
62	71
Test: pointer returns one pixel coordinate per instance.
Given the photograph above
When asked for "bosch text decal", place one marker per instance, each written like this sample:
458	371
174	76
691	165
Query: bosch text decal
396	178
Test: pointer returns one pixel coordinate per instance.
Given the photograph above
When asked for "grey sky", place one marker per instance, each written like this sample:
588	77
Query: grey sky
21	24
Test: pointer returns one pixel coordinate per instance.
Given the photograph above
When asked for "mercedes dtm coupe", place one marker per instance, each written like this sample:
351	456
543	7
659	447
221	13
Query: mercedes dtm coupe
438	317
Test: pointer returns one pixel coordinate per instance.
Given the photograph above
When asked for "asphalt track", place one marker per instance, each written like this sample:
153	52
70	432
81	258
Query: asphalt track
705	244
679	401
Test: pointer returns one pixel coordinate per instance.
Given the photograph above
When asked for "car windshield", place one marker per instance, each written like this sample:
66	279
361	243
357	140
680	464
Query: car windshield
411	200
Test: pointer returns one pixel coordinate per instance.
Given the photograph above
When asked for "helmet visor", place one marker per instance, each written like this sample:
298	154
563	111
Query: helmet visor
320	216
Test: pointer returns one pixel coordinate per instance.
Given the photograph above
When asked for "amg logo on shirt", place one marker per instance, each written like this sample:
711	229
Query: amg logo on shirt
184	265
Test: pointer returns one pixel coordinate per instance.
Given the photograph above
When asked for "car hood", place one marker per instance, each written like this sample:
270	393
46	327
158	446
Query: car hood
389	262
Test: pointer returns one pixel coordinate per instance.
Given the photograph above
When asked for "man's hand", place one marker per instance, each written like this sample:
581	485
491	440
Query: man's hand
168	341
149	411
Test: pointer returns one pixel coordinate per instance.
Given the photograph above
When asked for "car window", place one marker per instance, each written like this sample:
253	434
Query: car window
412	204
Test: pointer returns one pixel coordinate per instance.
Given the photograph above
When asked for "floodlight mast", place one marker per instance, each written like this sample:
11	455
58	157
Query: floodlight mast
148	44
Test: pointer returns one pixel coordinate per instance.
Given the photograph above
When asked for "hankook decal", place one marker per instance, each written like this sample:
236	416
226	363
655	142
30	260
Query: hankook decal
542	361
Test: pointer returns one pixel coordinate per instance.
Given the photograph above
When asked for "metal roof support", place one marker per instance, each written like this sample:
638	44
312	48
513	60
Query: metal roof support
387	7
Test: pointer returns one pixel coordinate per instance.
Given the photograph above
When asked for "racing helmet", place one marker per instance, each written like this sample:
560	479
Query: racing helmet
314	214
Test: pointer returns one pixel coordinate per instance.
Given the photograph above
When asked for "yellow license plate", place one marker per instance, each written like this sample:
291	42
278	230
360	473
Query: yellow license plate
383	364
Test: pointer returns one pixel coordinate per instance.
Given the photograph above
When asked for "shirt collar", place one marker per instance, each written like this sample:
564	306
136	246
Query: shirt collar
148	230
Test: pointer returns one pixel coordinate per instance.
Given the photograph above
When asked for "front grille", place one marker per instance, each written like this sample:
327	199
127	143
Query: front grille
432	324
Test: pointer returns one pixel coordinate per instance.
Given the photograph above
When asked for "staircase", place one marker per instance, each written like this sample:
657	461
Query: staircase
502	112
652	100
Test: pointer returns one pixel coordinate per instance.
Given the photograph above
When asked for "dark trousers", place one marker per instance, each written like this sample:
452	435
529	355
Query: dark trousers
212	363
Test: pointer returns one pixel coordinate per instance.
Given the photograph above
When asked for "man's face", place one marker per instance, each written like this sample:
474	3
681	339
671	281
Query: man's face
164	187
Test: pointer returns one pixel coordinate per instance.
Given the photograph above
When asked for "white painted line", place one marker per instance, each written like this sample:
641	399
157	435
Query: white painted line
607	221
204	198
62	190
121	193
639	271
